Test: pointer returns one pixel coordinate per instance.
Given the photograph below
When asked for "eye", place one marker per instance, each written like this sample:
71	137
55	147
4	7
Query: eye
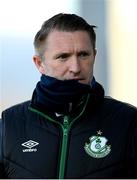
62	57
83	54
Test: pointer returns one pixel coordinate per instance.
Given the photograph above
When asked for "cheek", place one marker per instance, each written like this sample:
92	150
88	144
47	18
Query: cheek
55	69
88	66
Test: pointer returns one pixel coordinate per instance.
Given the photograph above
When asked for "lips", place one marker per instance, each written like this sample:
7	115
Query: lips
78	79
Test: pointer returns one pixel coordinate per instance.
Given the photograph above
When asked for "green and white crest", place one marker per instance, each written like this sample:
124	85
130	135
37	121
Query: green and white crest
97	147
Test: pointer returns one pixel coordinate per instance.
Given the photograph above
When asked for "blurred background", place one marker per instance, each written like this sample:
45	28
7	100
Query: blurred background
116	61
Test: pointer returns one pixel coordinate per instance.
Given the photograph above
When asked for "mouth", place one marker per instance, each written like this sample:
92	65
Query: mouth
76	78
80	80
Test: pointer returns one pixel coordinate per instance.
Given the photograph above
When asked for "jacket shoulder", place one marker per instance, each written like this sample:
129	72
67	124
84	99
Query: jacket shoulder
16	110
117	105
18	106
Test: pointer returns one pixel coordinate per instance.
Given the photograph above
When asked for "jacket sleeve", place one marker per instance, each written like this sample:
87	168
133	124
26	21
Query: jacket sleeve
132	151
1	159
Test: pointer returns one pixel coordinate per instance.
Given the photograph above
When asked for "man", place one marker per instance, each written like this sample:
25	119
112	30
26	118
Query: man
69	129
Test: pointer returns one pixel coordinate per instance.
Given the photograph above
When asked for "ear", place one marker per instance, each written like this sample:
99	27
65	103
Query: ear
95	53
39	64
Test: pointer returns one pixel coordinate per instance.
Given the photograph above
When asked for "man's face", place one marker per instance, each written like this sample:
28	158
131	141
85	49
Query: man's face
69	55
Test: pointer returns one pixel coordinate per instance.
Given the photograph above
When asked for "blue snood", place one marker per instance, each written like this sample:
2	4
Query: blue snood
57	95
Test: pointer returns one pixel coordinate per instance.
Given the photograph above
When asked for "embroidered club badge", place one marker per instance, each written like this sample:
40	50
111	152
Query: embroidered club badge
97	147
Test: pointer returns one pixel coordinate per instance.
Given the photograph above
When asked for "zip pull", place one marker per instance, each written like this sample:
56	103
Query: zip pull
66	123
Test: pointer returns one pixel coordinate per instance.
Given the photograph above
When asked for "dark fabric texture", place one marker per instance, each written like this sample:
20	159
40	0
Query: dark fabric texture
59	96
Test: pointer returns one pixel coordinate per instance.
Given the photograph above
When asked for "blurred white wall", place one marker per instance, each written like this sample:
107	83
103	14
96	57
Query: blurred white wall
116	61
122	48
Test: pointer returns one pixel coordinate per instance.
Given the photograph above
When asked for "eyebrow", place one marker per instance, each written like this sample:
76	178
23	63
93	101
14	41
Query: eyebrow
67	54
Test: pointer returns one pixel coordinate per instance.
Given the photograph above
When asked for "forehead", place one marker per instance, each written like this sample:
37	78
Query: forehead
62	39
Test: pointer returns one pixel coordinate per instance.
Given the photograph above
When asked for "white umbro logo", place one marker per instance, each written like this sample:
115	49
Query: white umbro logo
29	145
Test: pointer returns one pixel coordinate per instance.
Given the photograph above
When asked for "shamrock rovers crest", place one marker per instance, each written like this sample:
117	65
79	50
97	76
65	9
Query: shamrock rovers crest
97	147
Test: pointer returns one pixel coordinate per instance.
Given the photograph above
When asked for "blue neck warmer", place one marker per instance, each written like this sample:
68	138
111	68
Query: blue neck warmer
57	95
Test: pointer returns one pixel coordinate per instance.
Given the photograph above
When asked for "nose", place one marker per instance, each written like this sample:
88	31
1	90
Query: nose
74	66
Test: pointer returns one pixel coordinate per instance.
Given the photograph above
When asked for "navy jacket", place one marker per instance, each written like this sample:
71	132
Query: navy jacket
97	140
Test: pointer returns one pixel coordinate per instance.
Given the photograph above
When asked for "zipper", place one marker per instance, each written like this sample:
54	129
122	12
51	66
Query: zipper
65	129
63	154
